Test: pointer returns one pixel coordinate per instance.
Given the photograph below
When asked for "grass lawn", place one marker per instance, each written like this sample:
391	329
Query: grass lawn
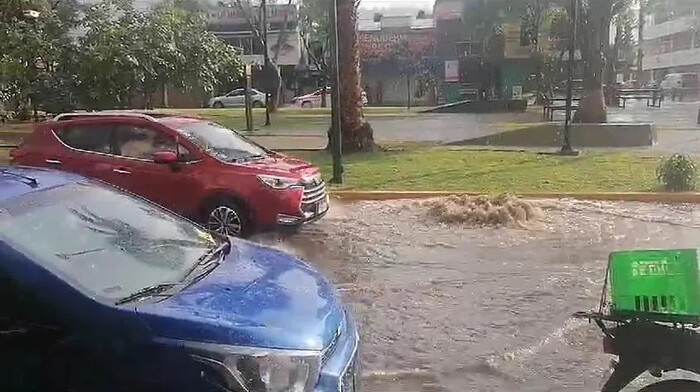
450	169
456	169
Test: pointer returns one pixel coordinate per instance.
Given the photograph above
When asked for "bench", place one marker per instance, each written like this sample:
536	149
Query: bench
551	106
653	96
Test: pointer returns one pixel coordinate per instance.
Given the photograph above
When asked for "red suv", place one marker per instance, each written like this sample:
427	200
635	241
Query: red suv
195	167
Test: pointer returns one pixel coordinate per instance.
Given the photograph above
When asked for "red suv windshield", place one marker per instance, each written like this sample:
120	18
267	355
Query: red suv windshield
221	142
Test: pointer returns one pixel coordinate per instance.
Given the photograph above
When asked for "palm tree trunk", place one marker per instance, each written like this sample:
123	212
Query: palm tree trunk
357	133
592	108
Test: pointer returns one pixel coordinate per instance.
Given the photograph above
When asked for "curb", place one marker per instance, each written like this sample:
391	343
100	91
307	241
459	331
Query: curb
646	197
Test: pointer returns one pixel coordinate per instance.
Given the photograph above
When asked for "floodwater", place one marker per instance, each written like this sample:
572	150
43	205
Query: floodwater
454	308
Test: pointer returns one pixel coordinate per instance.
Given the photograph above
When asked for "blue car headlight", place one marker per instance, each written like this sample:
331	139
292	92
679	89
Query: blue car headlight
260	370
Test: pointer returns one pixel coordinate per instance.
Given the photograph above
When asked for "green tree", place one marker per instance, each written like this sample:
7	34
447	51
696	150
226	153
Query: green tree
413	64
314	28
107	66
176	49
484	20
33	48
272	76
623	42
125	52
538	13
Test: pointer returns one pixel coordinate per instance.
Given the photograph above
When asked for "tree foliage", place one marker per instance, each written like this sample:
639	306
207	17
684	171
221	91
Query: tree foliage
314	27
33	50
102	56
254	16
414	64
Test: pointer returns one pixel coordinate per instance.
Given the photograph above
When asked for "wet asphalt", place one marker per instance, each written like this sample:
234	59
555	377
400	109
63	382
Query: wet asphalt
458	308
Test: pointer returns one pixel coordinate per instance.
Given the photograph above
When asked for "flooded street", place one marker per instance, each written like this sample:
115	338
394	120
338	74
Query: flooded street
452	308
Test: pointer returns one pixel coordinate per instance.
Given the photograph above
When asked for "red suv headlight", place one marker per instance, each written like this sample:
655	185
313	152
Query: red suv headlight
276	182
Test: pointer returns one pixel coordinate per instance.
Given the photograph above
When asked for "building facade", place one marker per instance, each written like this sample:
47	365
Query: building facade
671	39
466	71
233	24
396	53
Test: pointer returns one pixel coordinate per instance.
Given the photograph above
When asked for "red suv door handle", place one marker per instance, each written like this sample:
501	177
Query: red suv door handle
53	162
121	171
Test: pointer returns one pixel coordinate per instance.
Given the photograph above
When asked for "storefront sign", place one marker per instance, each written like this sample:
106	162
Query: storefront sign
382	44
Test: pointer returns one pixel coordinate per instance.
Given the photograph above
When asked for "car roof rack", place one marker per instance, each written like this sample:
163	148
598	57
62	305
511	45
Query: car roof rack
104	113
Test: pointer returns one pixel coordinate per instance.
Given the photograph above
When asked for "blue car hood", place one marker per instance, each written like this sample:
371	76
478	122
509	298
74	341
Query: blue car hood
257	297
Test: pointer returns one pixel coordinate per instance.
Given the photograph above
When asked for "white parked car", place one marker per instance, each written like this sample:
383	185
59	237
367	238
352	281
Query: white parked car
675	81
313	100
236	98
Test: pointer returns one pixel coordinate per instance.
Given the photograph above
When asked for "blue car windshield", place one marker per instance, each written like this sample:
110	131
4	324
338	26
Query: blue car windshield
107	243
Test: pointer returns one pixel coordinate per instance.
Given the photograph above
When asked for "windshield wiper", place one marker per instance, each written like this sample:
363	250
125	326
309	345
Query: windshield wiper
68	256
211	257
31	181
149	291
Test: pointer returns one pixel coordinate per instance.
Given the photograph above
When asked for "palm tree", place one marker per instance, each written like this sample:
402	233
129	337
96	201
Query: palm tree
594	40
357	133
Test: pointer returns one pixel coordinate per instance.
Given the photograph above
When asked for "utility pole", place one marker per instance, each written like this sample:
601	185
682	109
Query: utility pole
566	148
335	136
266	56
248	105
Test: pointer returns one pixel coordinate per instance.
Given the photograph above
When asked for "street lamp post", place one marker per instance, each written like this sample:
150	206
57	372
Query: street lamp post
266	56
32	15
335	136
566	147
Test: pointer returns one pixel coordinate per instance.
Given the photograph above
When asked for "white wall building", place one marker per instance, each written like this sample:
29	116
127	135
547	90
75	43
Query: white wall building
671	42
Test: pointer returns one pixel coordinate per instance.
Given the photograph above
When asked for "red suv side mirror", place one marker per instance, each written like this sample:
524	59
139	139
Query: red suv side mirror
165	157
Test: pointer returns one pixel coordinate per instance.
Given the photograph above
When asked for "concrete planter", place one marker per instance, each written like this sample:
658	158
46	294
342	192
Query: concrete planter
582	135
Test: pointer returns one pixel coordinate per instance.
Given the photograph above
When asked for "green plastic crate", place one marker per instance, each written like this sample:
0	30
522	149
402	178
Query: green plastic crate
656	284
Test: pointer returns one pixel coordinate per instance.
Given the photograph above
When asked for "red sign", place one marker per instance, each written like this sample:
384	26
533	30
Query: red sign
381	44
